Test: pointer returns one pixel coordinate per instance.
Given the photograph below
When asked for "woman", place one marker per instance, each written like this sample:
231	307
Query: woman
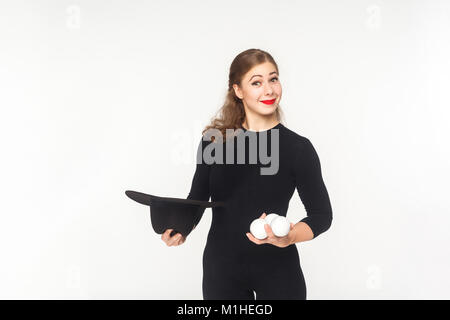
236	265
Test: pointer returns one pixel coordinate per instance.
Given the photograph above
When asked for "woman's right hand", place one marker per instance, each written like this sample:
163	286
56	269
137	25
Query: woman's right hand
175	240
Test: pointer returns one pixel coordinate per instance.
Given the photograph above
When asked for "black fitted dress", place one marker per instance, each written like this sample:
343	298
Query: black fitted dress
233	266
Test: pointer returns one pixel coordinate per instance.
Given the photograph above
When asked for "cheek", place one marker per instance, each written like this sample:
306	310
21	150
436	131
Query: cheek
251	101
277	90
253	95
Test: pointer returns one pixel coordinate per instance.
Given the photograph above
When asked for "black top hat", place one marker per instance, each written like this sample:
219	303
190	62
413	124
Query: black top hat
181	215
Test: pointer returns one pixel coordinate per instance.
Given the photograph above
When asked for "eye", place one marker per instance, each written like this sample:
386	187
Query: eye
275	78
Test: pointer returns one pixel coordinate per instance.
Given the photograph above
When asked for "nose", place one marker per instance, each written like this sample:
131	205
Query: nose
268	89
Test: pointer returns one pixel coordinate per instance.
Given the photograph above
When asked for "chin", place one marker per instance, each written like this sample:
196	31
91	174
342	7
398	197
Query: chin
267	111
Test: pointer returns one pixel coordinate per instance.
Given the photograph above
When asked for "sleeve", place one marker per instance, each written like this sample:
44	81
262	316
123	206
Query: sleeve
200	181
311	189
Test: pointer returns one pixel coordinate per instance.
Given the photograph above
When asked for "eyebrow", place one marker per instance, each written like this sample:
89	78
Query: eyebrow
258	75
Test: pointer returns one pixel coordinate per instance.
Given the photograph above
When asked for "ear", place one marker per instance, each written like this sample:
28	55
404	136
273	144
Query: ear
237	91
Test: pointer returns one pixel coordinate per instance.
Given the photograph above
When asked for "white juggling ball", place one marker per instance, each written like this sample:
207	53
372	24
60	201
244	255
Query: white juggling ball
270	217
280	226
257	229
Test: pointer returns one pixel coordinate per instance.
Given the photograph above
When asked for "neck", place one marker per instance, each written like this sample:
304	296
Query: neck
260	123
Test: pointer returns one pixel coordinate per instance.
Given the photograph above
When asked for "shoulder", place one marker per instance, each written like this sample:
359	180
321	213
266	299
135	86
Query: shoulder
293	139
301	153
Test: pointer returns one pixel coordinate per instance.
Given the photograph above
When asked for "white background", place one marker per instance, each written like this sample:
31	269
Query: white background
99	97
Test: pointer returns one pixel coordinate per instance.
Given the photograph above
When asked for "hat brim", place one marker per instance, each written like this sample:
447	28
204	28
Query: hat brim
181	215
148	199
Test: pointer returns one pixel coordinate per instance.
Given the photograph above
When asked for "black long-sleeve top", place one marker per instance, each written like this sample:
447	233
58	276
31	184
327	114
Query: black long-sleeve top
247	193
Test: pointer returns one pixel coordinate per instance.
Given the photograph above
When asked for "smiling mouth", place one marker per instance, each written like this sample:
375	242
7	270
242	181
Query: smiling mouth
268	101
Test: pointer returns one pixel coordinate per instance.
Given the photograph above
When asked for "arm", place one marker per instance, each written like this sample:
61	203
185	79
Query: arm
200	181
313	194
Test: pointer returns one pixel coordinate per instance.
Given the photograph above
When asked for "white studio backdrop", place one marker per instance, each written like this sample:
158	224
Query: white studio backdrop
98	97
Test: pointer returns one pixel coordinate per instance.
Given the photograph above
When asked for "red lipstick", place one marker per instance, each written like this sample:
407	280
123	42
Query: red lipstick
268	101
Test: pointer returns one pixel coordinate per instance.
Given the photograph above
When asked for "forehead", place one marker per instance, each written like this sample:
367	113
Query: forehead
263	69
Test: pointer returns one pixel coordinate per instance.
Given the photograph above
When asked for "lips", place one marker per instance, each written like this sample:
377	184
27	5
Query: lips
268	101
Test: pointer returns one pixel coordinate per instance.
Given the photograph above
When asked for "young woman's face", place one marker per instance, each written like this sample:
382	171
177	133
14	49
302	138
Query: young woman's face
260	84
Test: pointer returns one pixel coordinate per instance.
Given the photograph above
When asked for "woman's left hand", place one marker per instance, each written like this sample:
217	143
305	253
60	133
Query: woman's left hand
281	242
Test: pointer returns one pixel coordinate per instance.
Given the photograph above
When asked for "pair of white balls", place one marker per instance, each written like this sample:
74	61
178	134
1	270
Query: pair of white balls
280	226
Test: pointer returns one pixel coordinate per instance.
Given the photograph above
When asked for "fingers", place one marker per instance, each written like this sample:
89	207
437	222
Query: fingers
175	240
263	215
269	231
253	239
166	235
172	241
271	237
